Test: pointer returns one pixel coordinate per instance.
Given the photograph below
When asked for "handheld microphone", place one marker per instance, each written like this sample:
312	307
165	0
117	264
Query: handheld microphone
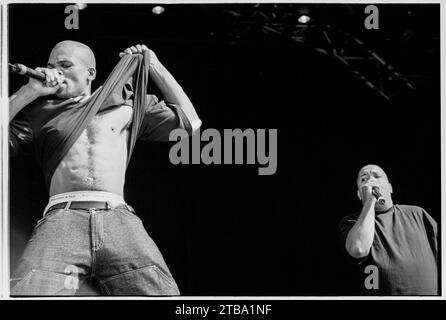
23	70
378	196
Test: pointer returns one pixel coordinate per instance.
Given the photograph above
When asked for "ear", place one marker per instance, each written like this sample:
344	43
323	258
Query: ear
91	73
359	194
391	188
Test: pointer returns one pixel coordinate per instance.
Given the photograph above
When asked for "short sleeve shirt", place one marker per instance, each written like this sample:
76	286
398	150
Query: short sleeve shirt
404	249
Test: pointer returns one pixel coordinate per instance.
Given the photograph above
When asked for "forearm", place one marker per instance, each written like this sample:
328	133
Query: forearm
173	93
19	100
360	238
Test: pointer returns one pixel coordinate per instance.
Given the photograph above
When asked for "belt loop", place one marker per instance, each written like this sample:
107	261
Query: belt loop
108	205
67	205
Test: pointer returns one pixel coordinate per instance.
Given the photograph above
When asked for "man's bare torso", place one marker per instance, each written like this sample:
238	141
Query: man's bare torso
98	159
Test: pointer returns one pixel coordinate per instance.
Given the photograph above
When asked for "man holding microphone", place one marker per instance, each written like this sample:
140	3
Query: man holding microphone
400	240
83	141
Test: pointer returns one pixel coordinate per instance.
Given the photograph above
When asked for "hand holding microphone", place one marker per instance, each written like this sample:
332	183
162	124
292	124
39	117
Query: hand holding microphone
43	81
24	70
370	192
377	194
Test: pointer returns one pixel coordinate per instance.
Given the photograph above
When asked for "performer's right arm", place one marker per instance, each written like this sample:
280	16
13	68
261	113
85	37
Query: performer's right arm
21	99
360	237
20	130
33	90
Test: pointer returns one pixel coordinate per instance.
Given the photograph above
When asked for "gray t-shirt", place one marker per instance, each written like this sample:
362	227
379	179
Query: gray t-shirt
404	249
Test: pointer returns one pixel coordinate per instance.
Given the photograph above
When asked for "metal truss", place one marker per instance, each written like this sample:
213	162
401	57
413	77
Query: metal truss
281	22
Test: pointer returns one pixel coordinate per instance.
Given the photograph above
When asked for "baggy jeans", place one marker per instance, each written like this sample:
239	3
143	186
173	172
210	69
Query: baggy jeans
68	247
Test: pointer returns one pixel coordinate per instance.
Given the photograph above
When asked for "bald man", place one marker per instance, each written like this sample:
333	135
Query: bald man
88	230
400	240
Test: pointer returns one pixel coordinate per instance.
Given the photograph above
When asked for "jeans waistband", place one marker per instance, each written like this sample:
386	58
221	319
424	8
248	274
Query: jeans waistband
111	199
88	205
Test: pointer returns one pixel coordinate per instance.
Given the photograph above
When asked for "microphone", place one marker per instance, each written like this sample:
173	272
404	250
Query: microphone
23	70
378	196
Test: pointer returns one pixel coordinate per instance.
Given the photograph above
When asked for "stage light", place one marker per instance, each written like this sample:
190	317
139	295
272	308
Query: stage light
304	19
80	6
158	10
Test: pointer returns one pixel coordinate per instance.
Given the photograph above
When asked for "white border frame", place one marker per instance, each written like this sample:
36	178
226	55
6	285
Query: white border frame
4	182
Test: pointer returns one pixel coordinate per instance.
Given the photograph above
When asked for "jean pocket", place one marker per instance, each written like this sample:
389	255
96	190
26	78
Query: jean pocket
51	213
147	281
14	283
129	214
44	283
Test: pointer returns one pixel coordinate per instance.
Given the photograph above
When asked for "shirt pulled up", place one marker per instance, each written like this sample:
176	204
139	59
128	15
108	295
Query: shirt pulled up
55	125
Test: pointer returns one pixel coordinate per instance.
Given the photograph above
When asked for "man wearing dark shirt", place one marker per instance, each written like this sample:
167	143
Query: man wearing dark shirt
400	240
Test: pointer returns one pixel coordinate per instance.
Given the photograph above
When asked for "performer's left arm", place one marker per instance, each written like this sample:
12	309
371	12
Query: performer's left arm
169	87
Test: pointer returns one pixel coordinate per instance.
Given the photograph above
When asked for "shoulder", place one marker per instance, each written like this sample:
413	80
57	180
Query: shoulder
410	209
347	221
33	115
350	217
416	213
33	108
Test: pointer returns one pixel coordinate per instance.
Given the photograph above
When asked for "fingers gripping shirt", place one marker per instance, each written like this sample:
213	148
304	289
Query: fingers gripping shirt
54	125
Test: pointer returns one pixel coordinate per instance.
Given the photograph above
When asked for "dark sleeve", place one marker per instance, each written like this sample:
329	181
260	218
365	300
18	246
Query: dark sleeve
344	227
160	119
20	137
431	228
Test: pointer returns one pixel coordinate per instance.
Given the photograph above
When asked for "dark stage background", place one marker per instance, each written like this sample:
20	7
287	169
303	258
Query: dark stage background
223	229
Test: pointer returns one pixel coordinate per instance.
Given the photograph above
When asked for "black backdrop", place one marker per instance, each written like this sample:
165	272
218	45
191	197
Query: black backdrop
223	229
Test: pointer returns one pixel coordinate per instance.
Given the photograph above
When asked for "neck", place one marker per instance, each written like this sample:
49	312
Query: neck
386	207
83	95
87	92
